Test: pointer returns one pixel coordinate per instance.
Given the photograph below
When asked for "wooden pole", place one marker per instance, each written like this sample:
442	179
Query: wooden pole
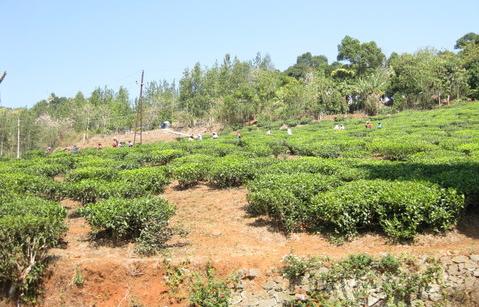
141	107
18	138
139	111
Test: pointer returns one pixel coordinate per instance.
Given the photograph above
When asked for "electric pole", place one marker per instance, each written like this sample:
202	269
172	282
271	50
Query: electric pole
18	138
139	111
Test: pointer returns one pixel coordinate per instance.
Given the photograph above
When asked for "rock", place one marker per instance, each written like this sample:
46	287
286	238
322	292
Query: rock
476	273
235	300
248	273
474	258
351	283
475	293
453	269
270	285
446	260
460	259
374	299
248	299
216	233
434	289
282	298
267	303
469	283
470	266
435	297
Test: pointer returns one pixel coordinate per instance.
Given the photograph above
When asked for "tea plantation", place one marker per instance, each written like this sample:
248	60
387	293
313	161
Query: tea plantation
417	173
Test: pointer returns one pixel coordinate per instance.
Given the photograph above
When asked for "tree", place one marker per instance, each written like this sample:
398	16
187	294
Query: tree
370	88
306	64
362	57
469	38
469	56
418	78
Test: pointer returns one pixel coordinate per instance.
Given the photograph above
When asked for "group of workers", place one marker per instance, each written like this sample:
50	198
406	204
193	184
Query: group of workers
117	143
369	125
199	137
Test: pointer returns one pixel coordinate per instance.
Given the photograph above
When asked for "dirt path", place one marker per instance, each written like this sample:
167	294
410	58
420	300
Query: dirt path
220	232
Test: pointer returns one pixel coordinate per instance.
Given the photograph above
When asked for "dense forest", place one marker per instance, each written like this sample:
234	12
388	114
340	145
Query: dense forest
234	92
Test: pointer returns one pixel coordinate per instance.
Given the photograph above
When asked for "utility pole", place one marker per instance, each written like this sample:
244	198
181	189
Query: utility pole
18	138
139	111
141	107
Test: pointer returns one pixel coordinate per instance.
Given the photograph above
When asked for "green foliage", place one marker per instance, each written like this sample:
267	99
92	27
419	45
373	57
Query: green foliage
286	198
142	219
29	226
401	209
296	267
231	171
209	291
32	184
152	179
400	280
90	172
398	149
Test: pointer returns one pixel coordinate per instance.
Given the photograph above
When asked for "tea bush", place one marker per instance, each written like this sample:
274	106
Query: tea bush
29	226
152	179
33	185
286	198
131	219
90	172
400	208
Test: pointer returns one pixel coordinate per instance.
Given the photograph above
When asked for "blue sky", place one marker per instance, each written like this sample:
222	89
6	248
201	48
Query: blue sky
66	46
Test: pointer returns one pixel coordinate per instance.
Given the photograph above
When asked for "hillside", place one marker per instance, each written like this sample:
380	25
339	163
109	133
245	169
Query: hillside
132	226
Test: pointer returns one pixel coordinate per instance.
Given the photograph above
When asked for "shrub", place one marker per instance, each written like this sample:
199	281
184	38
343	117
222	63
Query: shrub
29	226
231	171
398	149
32	184
190	174
400	208
162	157
46	168
286	198
88	190
131	219
91	172
152	179
209	291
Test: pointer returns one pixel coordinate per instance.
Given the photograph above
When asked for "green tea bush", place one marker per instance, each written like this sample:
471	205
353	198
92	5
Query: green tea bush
144	218
90	172
286	198
162	157
232	171
88	190
398	149
400	208
190	174
29	226
32	184
152	179
46	168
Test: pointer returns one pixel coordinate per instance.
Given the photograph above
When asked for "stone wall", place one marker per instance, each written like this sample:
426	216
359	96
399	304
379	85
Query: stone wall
457	286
